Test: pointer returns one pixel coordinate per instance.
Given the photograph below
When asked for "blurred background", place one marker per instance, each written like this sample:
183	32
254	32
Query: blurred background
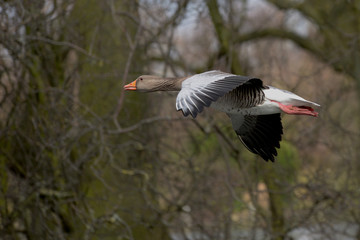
82	159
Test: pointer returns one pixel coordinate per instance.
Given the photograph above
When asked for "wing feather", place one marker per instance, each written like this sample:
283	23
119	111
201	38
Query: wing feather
260	134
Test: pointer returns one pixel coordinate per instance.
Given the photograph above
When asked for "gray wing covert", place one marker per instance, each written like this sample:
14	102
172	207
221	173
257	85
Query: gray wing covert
197	93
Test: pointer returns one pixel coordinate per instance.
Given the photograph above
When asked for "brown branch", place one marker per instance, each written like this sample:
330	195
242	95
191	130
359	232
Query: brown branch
302	42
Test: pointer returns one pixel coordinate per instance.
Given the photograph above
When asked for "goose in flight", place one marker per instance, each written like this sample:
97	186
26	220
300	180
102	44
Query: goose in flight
254	108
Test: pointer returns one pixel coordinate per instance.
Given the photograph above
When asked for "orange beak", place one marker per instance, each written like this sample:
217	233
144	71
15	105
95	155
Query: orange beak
130	86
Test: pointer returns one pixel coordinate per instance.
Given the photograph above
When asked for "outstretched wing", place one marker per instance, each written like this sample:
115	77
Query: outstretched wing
202	89
261	134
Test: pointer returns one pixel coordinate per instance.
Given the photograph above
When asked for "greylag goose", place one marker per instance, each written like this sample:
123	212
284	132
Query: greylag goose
254	108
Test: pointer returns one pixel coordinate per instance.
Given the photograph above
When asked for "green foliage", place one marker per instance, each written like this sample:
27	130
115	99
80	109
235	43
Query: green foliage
203	143
287	164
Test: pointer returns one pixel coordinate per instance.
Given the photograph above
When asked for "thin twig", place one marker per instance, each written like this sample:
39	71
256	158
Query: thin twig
142	122
62	43
125	76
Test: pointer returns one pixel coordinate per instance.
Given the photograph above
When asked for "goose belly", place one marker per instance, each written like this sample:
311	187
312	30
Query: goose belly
267	107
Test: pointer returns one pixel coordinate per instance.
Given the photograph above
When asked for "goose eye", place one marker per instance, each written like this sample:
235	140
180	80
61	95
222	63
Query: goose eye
140	79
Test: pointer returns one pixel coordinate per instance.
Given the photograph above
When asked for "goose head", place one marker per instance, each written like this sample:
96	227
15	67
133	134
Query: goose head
144	83
151	83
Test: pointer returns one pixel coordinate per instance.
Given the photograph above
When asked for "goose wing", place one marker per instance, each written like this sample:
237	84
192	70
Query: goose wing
202	89
261	134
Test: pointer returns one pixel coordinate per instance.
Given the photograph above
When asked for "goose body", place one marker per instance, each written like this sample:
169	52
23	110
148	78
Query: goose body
254	109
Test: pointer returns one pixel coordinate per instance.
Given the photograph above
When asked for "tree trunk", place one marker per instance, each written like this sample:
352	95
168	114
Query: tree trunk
276	203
